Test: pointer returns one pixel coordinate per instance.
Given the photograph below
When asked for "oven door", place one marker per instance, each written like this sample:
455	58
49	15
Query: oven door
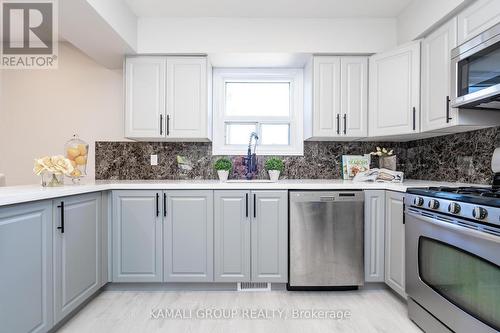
453	272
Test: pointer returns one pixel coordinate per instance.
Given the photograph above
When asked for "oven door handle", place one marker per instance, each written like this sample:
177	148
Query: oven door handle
455	227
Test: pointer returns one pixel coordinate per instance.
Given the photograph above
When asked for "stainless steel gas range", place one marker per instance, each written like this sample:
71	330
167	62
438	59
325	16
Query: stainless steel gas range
453	258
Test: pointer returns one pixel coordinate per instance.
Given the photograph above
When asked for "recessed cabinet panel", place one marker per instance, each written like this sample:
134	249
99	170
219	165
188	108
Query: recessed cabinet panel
395	91
188	236
232	223
269	236
77	245
145	97
478	17
374	235
187	110
354	96
326	103
436	90
137	236
26	267
395	242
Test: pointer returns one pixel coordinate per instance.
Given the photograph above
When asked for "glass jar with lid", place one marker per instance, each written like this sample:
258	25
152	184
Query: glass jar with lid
77	152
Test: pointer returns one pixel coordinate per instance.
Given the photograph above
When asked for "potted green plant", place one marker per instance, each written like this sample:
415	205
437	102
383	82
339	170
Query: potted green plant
274	167
223	166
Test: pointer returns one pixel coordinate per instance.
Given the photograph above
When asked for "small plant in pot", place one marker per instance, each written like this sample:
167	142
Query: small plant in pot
223	166
274	167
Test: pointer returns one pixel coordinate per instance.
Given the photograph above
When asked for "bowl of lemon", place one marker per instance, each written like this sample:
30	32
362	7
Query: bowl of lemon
77	152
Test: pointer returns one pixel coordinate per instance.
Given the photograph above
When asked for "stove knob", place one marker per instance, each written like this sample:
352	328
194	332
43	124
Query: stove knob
418	201
454	208
479	213
433	204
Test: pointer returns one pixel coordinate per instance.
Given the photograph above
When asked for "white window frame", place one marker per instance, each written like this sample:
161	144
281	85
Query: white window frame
294	76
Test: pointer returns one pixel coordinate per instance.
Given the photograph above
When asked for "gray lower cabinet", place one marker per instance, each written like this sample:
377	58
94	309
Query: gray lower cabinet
395	242
232	223
188	236
26	268
251	236
76	251
137	236
269	237
374	235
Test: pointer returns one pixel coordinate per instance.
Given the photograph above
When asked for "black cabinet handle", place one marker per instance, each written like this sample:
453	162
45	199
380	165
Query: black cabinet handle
254	205
246	204
414	118
161	124
61	227
338	124
345	123
168	124
164	204
448	118
157	205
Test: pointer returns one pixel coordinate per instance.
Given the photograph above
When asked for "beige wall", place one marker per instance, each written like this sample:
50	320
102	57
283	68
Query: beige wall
41	109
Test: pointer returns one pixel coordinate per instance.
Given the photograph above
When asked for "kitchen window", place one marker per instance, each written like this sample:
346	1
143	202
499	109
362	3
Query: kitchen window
268	102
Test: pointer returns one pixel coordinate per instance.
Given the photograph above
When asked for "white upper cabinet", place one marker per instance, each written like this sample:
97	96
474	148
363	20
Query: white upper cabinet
435	106
395	91
145	97
339	97
354	96
166	98
478	17
187	111
326	101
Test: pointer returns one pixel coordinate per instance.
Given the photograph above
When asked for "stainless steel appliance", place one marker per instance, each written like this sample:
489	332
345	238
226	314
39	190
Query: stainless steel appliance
475	72
453	258
326	240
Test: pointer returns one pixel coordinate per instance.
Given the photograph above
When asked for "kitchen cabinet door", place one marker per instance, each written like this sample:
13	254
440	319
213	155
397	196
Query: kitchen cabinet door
26	268
326	96
395	242
145	97
395	91
374	235
354	96
232	236
137	236
187	98
269	236
436	90
188	236
476	18
77	246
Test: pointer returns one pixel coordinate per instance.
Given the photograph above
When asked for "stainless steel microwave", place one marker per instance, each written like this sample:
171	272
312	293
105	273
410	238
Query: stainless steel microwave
475	72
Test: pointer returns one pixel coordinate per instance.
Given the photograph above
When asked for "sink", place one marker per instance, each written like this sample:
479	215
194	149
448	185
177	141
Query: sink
249	181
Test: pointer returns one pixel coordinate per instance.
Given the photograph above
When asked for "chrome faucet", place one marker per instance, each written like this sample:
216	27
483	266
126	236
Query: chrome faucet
251	160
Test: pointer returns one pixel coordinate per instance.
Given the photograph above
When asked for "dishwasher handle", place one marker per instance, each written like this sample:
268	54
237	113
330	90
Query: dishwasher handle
327	196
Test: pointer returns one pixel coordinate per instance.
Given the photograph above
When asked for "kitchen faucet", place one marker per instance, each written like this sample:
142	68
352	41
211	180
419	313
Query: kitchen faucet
251	160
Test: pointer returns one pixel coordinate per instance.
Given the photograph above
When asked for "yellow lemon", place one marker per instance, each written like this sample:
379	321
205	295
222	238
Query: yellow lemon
82	149
81	160
76	173
72	153
73	163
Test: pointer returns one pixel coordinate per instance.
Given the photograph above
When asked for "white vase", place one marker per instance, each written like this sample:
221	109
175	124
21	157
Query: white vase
274	175
223	175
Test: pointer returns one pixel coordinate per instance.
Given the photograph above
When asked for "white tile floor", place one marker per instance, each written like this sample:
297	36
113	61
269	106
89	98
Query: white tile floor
128	311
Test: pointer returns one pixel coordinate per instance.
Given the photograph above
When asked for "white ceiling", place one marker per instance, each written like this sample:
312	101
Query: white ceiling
268	8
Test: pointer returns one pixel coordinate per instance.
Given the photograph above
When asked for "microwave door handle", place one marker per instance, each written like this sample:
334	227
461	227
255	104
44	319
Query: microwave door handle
448	118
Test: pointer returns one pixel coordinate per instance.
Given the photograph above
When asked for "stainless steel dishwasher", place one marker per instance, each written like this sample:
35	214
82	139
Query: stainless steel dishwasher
326	240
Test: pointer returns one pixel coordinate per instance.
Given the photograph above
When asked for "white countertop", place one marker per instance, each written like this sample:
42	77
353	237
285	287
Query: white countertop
26	193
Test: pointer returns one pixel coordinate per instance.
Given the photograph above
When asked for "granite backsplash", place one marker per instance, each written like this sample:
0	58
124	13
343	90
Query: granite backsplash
463	157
